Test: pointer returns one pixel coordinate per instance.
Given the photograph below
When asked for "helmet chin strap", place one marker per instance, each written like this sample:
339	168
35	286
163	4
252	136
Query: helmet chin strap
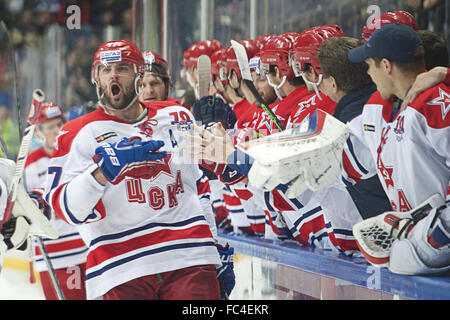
276	87
314	84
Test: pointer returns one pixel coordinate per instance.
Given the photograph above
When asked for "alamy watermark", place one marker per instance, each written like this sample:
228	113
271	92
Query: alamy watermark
73	21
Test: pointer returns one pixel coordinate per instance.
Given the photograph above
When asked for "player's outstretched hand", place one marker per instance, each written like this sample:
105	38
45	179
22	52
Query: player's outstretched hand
212	145
128	158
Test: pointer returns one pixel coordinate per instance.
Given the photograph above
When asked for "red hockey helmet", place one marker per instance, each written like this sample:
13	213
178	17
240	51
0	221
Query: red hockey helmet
118	51
276	52
48	111
153	59
400	16
217	61
306	47
262	40
207	47
231	62
329	30
290	35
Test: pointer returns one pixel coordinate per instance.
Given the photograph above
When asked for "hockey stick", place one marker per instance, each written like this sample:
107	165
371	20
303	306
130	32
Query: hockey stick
204	75
4	148
38	98
241	56
16	189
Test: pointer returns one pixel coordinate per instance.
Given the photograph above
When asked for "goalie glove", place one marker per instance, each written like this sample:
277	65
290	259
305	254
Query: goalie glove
375	236
305	157
128	158
225	273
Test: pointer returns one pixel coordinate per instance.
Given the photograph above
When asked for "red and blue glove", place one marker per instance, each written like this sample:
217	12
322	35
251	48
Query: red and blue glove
128	158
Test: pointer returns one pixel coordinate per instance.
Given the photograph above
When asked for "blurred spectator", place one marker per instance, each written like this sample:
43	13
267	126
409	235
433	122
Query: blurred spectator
436	49
9	132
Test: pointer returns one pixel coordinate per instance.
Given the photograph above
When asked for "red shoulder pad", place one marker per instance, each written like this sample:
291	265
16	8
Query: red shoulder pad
434	105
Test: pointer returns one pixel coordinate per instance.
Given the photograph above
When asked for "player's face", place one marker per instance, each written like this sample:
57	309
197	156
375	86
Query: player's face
312	77
326	86
264	89
117	84
379	78
154	88
49	130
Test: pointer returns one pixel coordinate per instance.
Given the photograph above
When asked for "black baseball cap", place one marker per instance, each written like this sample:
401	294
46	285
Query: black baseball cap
395	42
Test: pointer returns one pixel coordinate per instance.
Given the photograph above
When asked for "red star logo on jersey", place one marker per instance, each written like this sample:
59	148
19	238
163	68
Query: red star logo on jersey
159	166
303	106
443	100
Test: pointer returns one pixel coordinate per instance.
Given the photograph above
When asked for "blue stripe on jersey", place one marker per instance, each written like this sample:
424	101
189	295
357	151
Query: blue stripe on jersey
64	255
267	201
347	183
62	237
235	211
146	253
256	217
70	214
116	236
350	147
304	216
297	203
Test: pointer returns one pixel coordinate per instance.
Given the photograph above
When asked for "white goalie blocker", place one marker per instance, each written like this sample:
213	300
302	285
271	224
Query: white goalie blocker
24	205
308	156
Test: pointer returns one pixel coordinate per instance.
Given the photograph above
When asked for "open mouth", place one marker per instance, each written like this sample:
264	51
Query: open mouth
115	90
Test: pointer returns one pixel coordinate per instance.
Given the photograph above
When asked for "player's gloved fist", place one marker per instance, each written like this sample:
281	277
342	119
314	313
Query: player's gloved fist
128	158
213	109
225	273
37	196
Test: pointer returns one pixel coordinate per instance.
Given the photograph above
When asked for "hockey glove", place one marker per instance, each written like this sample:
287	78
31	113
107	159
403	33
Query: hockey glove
128	158
225	273
213	109
37	196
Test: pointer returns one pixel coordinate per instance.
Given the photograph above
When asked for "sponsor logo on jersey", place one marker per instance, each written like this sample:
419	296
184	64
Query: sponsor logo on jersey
369	127
105	136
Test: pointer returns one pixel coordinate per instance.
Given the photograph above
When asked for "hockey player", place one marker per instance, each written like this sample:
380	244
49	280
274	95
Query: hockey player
305	63
67	253
156	82
289	88
26	219
135	205
398	16
395	56
190	58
